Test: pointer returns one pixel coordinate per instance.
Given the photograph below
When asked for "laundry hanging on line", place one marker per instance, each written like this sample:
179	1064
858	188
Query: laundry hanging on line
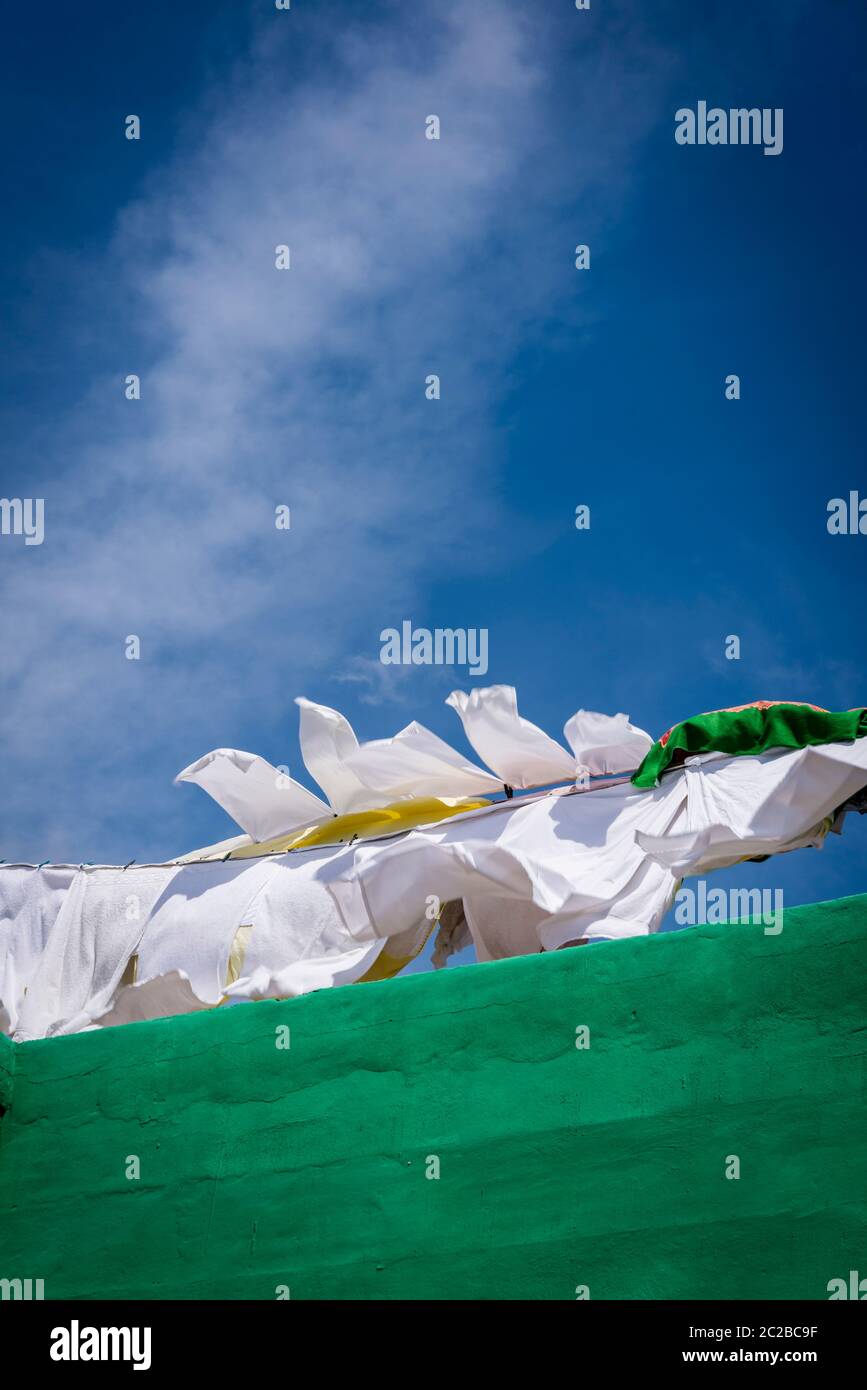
92	947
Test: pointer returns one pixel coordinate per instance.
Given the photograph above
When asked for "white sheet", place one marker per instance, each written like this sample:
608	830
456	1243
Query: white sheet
361	776
98	927
30	903
519	752
571	859
297	940
524	756
414	763
606	742
262	800
738	807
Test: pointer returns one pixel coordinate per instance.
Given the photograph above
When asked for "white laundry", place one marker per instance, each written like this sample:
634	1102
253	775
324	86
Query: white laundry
532	873
605	743
266	802
299	939
161	997
739	807
524	756
361	776
606	863
262	800
295	937
518	751
30	902
569	862
89	944
194	922
502	927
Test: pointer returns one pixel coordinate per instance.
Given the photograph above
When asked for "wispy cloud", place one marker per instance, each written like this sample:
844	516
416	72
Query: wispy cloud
303	387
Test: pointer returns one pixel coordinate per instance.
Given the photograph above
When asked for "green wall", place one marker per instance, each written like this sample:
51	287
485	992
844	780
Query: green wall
559	1166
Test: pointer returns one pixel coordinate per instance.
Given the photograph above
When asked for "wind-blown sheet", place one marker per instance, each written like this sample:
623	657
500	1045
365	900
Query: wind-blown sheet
415	763
523	754
533	874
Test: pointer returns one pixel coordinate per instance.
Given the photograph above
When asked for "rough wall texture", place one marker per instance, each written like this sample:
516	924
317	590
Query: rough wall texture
559	1166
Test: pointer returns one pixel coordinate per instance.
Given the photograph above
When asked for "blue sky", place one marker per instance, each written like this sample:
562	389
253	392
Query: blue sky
412	257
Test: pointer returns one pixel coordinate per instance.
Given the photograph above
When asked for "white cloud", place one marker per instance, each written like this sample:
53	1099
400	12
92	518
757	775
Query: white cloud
302	387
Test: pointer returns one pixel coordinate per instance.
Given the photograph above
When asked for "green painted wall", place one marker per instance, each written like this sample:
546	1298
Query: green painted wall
559	1166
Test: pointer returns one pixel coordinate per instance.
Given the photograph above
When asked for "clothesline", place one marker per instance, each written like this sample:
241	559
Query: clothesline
103	945
527	795
98	945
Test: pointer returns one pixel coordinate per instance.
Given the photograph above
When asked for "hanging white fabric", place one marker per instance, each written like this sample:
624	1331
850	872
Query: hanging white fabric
606	743
100	923
31	900
533	873
264	801
363	776
738	807
295	938
571	857
524	756
520	753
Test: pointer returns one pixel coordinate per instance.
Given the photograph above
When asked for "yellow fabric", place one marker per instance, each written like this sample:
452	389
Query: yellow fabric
238	950
388	963
385	966
364	825
130	971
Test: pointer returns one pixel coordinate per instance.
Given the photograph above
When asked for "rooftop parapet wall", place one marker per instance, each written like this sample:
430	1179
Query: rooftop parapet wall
7	1073
266	1167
